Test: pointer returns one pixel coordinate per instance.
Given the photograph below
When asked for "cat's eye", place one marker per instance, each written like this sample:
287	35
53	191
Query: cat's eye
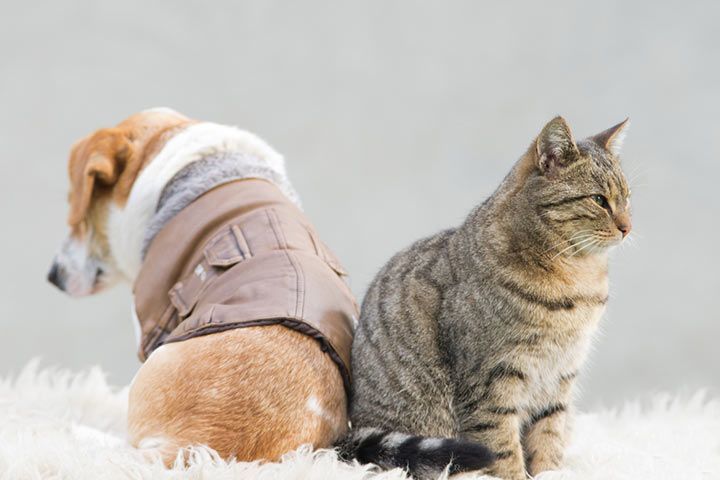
600	200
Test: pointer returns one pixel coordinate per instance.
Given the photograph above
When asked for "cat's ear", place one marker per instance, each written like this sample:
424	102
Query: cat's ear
555	146
612	138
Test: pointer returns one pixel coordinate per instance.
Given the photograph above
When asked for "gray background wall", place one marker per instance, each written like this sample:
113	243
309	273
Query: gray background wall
395	117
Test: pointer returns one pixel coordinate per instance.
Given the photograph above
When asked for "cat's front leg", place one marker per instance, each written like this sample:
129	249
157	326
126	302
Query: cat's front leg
498	428
493	420
546	432
545	439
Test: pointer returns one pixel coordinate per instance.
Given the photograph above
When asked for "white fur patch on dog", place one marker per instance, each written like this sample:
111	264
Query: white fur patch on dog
127	226
54	424
80	269
313	405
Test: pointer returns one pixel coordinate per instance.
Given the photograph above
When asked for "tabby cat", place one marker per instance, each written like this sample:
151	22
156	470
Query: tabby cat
470	341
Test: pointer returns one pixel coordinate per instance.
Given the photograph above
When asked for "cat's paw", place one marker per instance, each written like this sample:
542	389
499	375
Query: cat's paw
543	464
507	473
484	474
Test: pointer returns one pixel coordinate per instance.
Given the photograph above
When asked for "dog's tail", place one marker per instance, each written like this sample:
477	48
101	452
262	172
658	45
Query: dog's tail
422	457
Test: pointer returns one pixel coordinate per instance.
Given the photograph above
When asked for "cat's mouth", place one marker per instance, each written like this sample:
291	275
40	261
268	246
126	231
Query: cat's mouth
599	242
605	240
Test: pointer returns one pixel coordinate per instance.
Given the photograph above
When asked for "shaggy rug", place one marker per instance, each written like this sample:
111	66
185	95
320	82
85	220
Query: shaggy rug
58	425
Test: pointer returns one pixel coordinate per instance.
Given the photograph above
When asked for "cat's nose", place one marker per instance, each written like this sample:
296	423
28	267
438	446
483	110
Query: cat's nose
623	224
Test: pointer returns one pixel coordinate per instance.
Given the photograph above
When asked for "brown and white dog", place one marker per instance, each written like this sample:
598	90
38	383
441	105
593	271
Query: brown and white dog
249	393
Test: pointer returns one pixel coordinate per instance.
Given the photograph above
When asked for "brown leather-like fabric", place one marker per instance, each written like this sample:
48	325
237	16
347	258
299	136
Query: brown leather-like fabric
243	255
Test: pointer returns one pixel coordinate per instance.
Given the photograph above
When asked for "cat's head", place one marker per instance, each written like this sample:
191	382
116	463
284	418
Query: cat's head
578	189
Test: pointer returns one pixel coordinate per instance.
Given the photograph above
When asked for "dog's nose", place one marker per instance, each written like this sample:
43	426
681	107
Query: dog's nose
55	276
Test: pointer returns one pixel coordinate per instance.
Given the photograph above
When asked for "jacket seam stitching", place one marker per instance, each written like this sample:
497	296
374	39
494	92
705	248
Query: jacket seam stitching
282	243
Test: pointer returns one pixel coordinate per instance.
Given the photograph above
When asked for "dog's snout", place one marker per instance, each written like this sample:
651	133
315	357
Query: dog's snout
55	276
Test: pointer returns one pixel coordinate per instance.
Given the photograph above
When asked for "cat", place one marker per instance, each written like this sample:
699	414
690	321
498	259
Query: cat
469	341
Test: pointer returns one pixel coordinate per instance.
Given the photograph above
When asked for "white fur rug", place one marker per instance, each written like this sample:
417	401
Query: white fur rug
59	425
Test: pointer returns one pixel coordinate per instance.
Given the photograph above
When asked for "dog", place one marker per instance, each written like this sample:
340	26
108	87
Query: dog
244	320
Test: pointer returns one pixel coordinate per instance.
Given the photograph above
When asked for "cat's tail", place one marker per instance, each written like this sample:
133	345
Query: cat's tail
422	457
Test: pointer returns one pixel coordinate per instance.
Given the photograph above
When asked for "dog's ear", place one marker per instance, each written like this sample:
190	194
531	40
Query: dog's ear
95	162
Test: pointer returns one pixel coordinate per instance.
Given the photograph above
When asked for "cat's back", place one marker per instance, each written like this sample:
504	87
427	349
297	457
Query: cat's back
423	267
396	361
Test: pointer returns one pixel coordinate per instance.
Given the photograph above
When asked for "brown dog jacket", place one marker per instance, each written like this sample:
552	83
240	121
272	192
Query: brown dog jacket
243	255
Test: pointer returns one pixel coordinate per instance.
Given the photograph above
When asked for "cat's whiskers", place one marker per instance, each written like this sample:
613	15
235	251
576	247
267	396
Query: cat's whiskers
592	244
571	241
578	236
575	245
638	171
631	240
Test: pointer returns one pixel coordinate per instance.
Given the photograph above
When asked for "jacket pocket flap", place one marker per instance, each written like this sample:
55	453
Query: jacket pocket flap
333	262
227	248
326	254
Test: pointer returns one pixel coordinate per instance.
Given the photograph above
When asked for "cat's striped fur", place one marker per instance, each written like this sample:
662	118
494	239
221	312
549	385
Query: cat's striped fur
469	341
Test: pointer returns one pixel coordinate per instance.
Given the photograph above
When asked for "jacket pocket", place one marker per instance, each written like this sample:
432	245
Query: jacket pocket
221	252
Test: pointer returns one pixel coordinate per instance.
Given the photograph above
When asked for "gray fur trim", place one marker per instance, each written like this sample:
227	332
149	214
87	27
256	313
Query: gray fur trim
204	175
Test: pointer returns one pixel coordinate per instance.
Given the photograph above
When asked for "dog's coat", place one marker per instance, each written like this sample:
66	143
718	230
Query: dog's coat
243	255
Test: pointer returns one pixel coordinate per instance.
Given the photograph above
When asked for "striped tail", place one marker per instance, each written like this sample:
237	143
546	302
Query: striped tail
422	457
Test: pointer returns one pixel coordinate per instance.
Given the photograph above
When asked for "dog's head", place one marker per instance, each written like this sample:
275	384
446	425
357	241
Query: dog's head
102	168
